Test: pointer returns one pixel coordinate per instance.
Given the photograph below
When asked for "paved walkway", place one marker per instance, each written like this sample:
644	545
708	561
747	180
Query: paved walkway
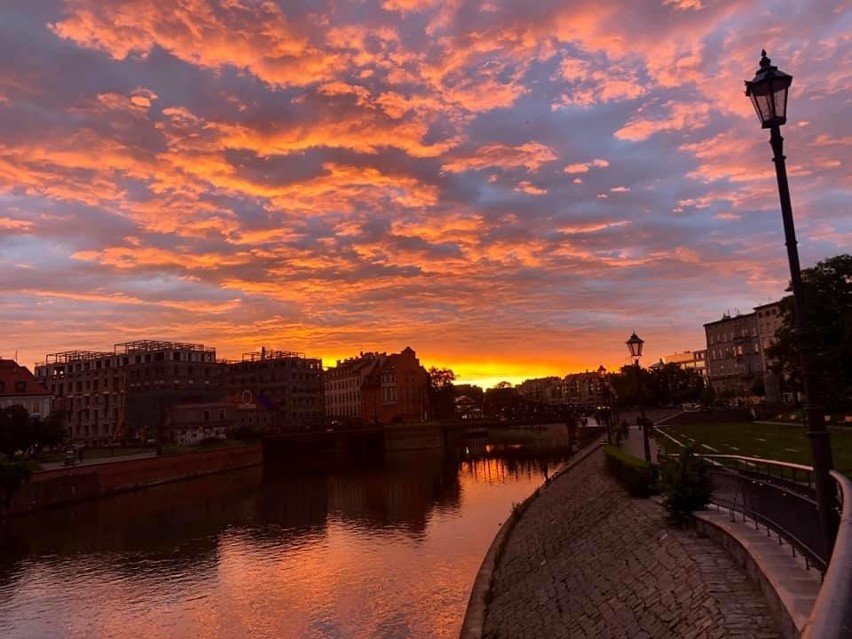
586	560
633	445
99	460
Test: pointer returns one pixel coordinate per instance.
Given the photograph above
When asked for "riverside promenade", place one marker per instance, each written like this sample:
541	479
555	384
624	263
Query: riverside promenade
587	560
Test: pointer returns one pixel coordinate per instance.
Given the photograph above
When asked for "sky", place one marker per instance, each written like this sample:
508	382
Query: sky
510	188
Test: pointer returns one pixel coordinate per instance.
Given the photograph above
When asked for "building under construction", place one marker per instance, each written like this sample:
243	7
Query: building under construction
277	390
124	395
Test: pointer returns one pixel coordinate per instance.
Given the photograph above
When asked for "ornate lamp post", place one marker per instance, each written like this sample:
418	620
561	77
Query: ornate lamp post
634	345
768	93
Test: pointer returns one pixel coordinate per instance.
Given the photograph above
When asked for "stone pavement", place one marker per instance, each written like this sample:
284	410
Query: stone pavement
586	560
634	445
99	460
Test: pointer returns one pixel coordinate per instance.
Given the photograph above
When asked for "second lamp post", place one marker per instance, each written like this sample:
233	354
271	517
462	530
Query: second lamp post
634	344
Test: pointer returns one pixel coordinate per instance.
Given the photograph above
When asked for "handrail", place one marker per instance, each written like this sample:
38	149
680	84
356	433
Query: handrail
760	460
831	616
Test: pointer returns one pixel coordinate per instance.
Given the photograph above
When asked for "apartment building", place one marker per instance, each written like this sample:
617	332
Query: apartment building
344	383
125	394
584	388
734	359
543	390
283	388
737	345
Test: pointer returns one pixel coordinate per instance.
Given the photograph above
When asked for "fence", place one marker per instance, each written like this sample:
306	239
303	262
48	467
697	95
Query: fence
776	495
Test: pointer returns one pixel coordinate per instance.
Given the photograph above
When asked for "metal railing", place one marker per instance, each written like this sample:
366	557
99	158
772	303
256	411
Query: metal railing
781	497
776	495
831	616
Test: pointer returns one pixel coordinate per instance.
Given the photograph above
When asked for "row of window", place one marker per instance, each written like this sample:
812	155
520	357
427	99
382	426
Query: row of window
734	351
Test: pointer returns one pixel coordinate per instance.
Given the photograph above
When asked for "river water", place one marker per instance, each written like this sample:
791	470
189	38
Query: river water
388	548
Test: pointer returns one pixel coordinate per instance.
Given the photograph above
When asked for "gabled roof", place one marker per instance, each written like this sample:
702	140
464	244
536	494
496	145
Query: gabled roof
18	381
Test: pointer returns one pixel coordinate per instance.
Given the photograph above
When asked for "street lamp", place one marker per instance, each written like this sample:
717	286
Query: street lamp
634	345
768	93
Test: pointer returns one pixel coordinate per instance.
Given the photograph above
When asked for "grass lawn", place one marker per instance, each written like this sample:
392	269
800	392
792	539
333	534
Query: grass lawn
100	453
770	441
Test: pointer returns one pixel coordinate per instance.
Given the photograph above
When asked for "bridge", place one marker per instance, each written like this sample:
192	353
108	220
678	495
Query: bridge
370	439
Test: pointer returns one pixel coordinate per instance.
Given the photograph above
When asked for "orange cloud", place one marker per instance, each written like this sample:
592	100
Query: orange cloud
530	156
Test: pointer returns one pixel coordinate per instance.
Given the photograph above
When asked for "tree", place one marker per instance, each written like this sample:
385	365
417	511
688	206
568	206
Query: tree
15	431
442	394
21	433
827	289
673	384
48	432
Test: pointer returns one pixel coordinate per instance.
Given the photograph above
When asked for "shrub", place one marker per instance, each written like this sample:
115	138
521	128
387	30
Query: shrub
686	485
635	474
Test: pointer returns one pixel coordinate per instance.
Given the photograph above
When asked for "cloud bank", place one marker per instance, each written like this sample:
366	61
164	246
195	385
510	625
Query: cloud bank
510	188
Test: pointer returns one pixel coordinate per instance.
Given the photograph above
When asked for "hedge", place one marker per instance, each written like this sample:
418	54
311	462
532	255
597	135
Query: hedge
635	474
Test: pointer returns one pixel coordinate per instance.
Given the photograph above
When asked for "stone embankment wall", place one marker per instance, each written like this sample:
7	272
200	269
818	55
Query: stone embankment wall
50	488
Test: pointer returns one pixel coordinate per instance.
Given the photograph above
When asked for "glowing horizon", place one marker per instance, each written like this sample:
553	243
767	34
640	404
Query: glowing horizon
510	189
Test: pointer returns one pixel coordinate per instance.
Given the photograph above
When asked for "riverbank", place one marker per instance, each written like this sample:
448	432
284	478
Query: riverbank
50	488
586	560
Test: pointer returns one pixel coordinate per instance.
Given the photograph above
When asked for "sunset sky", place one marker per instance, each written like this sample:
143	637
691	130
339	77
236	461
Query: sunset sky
509	187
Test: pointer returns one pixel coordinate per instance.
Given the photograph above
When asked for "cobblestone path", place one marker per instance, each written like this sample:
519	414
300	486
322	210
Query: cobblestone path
586	560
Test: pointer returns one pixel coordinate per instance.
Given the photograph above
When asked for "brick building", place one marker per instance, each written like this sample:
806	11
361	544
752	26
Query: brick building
396	391
125	394
277	390
378	388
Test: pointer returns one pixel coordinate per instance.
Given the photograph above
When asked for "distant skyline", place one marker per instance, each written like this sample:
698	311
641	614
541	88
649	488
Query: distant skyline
510	188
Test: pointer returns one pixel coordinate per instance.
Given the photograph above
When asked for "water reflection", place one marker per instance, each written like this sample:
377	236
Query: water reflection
384	548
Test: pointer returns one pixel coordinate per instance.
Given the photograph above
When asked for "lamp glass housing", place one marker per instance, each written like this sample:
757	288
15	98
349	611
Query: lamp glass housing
634	344
768	93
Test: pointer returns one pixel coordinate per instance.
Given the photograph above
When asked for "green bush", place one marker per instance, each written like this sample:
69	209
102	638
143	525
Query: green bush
635	474
686	485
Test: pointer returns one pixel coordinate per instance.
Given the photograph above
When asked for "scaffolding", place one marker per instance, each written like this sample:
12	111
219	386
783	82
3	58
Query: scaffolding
65	357
148	345
264	354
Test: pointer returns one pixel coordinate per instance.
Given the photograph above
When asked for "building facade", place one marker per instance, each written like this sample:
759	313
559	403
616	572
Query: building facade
584	388
189	424
734	361
377	388
543	390
736	348
284	390
769	320
344	385
19	387
396	391
125	394
690	360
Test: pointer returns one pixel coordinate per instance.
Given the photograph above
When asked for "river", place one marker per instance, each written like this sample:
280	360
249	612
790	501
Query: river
388	548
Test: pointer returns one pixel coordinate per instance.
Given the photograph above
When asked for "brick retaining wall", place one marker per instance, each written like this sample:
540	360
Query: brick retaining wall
50	488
